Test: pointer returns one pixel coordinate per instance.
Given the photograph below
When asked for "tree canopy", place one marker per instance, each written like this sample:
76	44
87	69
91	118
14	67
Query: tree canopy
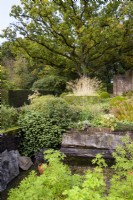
86	37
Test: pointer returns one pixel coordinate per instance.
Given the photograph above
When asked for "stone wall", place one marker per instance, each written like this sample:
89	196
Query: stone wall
123	83
88	143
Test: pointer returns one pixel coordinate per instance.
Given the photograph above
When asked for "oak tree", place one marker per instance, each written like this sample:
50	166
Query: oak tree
83	36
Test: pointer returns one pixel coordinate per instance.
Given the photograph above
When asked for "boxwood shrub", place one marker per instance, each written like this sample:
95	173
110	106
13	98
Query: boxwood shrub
44	122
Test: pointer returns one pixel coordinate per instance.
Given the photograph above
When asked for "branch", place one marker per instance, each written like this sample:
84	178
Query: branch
36	57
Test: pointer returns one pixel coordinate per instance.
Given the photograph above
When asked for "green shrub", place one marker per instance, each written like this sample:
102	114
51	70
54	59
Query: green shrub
124	157
105	105
54	107
104	95
122	181
117	99
109	121
44	122
38	103
123	110
9	117
52	83
96	122
124	126
90	112
82	125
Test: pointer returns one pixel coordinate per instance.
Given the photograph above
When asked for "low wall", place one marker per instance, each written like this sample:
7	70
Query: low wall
88	143
123	83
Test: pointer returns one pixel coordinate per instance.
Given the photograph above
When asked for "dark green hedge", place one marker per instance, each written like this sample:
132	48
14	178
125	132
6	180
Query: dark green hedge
18	98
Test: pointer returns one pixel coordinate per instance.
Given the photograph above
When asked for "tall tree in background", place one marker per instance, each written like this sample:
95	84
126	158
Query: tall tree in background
17	71
86	37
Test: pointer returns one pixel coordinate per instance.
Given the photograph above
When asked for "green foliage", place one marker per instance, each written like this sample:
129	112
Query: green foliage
121	189
96	122
123	109
122	181
90	105
24	72
117	99
9	117
44	122
81	100
82	125
39	132
124	125
124	157
104	95
55	107
52	83
94	110
38	103
74	35
48	186
5	82
11	131
99	161
57	182
92	188
109	120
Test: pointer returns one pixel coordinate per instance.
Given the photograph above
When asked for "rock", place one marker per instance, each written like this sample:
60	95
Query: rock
88	143
9	167
25	162
86	153
97	140
39	156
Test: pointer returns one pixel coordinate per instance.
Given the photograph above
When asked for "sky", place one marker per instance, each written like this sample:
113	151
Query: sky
5	19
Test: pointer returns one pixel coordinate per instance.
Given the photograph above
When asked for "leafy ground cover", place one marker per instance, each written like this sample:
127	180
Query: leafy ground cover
58	183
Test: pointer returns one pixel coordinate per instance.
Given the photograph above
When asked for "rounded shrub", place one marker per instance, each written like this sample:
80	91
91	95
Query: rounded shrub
104	95
44	122
39	132
53	84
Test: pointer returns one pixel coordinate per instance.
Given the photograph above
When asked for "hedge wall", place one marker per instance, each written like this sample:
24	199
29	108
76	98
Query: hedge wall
82	100
18	98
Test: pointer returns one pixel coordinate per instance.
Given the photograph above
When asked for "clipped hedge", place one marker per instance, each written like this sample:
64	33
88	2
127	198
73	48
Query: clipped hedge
81	100
18	98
